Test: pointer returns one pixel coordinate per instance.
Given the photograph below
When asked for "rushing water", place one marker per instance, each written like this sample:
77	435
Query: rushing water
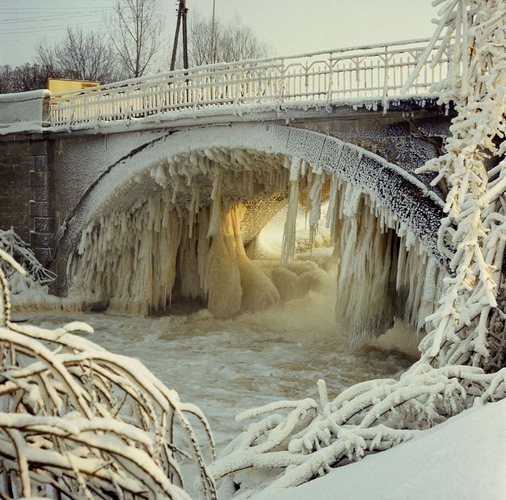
229	366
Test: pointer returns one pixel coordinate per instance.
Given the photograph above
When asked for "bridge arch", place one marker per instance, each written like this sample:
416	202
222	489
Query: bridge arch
407	204
411	201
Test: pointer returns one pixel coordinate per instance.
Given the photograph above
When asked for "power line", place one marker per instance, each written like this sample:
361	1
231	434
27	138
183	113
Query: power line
54	27
24	6
50	9
44	18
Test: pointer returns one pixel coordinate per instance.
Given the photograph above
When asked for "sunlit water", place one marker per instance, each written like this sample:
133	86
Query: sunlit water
229	366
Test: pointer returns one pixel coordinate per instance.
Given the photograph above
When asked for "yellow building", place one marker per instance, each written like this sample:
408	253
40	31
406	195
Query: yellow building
58	85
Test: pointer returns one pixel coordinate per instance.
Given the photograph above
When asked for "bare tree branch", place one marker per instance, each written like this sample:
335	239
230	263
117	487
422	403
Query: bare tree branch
135	34
80	55
233	42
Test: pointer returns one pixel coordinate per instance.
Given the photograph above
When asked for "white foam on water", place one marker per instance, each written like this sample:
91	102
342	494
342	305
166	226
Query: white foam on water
227	366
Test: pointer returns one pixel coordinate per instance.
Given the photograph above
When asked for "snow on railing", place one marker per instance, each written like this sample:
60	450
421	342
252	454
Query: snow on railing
365	72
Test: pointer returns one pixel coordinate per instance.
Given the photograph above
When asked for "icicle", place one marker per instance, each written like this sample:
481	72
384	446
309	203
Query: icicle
289	233
175	190
193	208
315	197
214	223
331	210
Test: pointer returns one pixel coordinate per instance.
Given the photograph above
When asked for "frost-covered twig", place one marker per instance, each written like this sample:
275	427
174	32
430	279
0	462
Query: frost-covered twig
12	244
78	421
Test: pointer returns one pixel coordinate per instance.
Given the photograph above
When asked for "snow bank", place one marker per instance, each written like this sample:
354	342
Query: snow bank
462	458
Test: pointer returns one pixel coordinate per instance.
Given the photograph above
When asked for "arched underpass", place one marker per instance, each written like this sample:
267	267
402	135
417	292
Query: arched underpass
173	220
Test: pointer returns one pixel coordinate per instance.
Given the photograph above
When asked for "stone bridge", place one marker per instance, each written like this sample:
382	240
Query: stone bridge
69	159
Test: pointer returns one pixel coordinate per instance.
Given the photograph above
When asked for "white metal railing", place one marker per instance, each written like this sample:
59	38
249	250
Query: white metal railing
373	71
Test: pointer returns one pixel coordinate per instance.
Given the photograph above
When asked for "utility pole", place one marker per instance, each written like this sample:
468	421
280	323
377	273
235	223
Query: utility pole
182	15
213	34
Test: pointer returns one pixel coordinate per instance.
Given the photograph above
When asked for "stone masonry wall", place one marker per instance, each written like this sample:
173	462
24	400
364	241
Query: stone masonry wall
15	194
42	209
27	192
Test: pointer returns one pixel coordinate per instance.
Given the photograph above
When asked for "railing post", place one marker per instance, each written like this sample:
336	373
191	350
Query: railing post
196	93
306	78
282	83
385	83
331	79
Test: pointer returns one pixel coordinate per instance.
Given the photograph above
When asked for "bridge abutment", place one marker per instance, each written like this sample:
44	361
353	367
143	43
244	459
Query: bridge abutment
27	202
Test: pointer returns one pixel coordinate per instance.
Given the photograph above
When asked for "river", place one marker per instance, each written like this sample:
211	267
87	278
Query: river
226	366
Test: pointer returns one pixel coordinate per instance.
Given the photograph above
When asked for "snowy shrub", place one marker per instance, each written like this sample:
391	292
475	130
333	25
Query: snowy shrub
36	275
464	354
78	421
301	440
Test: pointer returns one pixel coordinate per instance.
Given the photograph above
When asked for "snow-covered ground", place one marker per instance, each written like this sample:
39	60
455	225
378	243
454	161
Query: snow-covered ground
461	459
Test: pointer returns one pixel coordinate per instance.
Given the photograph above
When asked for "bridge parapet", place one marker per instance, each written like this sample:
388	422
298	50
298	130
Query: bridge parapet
352	75
24	111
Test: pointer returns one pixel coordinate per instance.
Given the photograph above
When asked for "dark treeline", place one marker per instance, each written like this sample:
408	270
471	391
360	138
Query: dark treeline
25	77
79	55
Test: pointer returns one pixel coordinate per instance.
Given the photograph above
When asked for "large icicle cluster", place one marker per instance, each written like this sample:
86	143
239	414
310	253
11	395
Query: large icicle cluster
464	355
77	421
384	271
187	241
184	240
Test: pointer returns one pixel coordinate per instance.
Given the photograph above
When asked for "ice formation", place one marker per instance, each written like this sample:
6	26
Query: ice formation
463	360
187	240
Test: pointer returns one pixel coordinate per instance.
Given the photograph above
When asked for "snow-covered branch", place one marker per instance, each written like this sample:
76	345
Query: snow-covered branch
79	421
474	170
300	440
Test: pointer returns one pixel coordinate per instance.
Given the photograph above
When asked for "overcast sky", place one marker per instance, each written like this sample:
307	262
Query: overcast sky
285	26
